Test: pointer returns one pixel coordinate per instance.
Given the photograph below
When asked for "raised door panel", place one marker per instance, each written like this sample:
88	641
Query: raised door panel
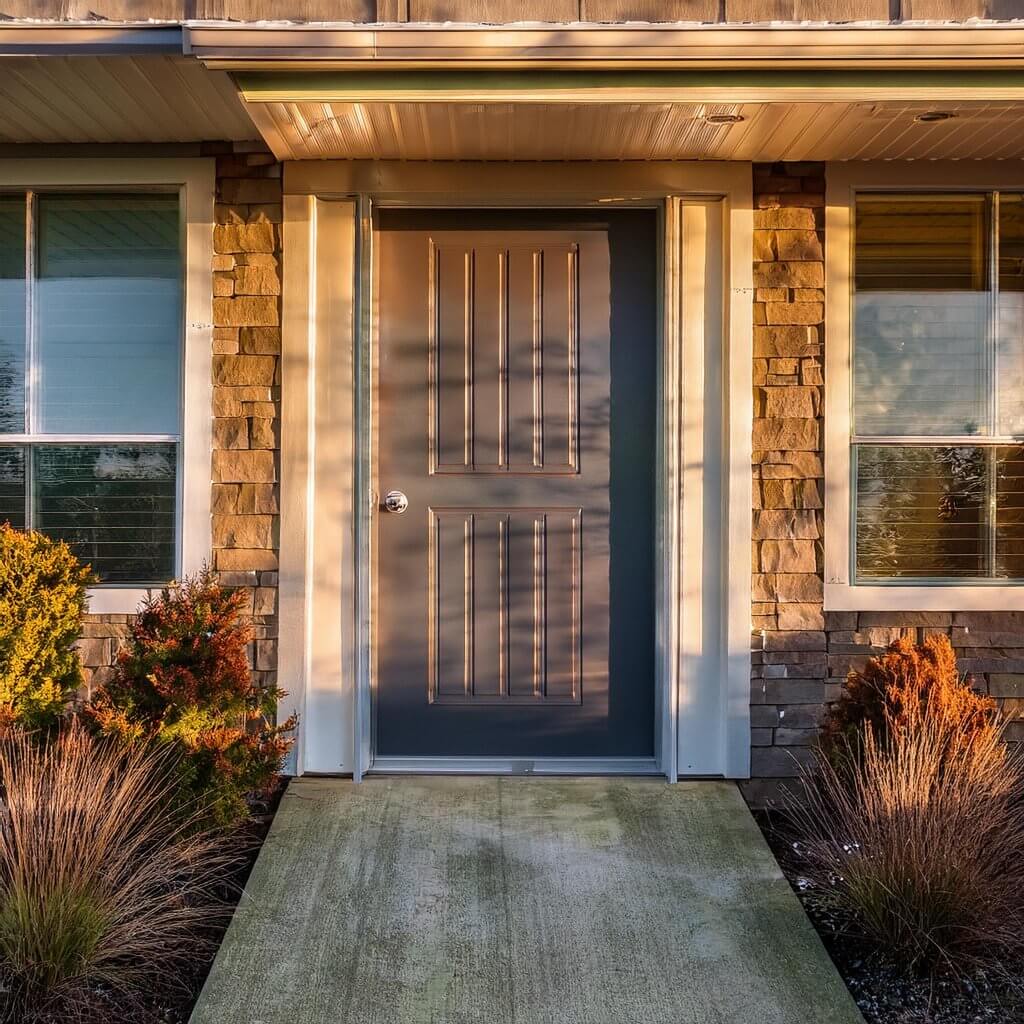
504	354
505	606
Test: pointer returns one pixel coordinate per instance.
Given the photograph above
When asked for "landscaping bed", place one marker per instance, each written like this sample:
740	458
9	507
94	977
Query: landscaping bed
884	993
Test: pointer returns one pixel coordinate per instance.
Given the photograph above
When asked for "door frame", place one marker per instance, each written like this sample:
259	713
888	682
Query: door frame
326	647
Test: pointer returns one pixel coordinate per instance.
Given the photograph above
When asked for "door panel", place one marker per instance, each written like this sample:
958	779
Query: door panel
497	383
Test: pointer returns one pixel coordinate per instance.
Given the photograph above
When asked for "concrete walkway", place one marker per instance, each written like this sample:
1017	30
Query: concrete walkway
519	901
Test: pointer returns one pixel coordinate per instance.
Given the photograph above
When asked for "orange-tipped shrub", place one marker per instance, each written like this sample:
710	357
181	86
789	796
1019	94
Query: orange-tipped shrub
910	825
183	677
896	689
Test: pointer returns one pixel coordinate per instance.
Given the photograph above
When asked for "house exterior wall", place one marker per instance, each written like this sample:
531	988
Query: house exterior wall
505	11
246	264
801	653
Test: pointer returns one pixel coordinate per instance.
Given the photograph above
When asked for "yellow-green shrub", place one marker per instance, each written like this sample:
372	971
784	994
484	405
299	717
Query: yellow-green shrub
42	600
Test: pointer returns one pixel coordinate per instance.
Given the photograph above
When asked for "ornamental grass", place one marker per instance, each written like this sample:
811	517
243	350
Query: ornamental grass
909	825
105	888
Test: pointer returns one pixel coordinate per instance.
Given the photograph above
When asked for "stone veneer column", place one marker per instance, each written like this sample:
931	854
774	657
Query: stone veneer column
790	664
801	654
246	404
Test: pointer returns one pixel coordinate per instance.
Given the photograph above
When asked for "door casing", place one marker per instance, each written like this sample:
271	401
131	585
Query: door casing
703	660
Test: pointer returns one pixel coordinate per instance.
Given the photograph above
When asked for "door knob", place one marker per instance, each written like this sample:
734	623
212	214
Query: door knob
396	501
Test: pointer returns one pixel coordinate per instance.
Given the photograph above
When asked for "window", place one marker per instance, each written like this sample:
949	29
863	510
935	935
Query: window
925	428
90	390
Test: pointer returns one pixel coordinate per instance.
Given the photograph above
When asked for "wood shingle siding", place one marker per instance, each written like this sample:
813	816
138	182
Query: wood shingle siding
506	11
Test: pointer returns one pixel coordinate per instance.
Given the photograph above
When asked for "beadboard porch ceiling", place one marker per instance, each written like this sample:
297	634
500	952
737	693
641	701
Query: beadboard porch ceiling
641	131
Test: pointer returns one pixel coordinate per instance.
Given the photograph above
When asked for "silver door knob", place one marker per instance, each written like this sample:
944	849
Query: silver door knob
396	501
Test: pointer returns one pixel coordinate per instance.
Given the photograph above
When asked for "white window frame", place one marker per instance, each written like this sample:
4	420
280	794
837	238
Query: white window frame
194	182
843	182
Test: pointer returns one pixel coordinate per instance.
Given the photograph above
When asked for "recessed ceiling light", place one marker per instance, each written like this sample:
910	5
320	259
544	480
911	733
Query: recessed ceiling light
930	116
723	118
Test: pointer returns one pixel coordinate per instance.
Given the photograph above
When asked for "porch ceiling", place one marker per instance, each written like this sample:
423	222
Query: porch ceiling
640	131
136	98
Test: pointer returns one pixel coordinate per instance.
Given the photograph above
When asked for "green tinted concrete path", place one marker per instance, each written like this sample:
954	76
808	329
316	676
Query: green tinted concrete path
519	901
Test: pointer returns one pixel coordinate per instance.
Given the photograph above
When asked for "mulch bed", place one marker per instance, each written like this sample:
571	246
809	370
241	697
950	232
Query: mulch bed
884	993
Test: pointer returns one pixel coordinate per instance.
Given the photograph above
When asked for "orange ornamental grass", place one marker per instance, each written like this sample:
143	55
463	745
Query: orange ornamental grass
103	883
910	824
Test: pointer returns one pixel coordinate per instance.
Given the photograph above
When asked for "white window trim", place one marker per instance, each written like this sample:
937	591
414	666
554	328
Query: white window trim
843	181
194	179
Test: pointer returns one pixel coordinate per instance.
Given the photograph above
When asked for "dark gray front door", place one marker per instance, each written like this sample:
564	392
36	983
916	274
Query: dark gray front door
515	594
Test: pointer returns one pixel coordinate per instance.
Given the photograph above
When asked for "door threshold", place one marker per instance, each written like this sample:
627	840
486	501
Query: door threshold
515	766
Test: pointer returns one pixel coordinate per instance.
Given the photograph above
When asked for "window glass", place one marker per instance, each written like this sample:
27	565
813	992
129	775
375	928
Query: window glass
1010	335
12	314
113	504
921	512
108	314
12	486
921	314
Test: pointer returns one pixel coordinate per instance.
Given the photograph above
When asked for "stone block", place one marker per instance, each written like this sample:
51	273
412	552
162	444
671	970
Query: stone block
794	640
794	312
778	762
764	716
244	370
244	467
903	619
789	556
992	622
788	588
775	273
798	245
243	531
230	432
266	655
226	402
244	559
793	218
234	238
260	340
257	281
257	499
791	434
760	737
792	341
263	433
801	616
785	525
794	691
223	284
94	651
790	402
802	716
1006	684
785	737
789	465
265	601
246	311
811	372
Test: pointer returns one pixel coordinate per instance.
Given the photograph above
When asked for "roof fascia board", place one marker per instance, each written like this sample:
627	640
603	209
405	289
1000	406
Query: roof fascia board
231	46
625	86
48	39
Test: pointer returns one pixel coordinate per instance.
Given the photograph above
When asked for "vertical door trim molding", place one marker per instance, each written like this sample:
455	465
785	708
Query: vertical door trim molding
702	726
317	648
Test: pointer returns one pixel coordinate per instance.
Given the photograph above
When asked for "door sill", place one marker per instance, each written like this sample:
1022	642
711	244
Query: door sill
515	766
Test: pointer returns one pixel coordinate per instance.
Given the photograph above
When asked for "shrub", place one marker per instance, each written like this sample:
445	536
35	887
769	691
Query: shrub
42	601
183	678
102	883
910	825
897	688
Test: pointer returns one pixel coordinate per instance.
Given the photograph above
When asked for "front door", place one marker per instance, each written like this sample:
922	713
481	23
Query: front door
515	595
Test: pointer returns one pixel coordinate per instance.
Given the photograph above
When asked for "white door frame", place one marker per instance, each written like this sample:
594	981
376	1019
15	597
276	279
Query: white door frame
705	424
